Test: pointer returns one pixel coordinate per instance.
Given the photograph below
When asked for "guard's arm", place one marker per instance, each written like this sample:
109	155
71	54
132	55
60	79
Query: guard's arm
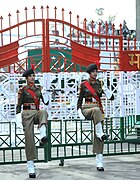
20	101
80	98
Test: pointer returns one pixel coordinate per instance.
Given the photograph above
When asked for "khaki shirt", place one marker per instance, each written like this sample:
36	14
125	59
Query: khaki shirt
25	97
85	93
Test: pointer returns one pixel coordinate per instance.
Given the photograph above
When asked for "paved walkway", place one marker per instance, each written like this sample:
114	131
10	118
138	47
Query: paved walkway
116	168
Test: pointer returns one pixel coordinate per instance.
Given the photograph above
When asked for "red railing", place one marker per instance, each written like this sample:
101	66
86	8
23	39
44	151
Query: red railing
38	31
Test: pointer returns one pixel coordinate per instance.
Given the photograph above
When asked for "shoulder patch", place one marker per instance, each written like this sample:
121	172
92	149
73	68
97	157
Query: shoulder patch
101	82
21	88
40	87
83	81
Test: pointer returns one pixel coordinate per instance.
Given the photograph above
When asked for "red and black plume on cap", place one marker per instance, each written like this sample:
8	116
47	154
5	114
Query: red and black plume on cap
29	71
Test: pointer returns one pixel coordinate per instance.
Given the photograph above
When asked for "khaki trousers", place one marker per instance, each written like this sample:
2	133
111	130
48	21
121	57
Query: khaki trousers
93	112
29	118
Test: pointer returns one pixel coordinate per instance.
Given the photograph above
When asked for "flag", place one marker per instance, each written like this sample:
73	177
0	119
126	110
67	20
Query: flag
84	55
9	54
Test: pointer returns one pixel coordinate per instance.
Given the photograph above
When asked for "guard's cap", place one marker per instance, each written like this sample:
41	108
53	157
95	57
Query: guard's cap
91	68
28	72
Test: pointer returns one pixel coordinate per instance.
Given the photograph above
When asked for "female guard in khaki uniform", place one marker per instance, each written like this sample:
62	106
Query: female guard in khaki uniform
90	104
29	96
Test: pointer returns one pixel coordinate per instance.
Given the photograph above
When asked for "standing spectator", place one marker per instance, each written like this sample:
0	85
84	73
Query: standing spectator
125	30
110	28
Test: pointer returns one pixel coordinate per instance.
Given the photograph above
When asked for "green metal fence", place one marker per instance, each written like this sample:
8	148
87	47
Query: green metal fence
70	139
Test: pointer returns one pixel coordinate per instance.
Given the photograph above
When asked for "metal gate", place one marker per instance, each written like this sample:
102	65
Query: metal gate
48	44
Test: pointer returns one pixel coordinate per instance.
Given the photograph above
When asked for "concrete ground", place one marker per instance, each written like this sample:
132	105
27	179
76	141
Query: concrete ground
124	167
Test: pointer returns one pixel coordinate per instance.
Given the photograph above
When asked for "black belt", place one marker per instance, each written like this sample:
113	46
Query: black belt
88	100
29	108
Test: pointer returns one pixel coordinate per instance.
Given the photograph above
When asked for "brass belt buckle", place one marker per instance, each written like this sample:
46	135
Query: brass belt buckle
32	106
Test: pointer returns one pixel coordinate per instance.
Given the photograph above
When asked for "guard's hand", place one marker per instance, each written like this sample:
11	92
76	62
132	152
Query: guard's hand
18	109
103	116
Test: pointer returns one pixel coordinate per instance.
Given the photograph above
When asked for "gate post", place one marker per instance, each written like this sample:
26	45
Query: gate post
121	106
122	128
49	141
47	64
45	46
47	147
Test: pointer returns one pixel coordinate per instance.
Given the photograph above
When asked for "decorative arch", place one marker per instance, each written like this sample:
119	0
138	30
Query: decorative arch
38	38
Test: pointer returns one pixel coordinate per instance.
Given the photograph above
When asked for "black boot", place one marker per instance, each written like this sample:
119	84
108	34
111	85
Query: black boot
100	169
104	137
43	141
32	175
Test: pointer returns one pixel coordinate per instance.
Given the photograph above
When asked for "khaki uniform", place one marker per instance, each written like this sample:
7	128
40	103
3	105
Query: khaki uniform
92	110
30	115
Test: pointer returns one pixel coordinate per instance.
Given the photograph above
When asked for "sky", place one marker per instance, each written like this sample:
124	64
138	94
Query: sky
122	9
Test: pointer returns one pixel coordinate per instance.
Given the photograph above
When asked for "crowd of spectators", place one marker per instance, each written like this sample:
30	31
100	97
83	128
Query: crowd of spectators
126	32
100	27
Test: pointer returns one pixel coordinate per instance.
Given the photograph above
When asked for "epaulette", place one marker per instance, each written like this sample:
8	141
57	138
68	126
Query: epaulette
101	81
39	86
83	81
20	90
23	87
